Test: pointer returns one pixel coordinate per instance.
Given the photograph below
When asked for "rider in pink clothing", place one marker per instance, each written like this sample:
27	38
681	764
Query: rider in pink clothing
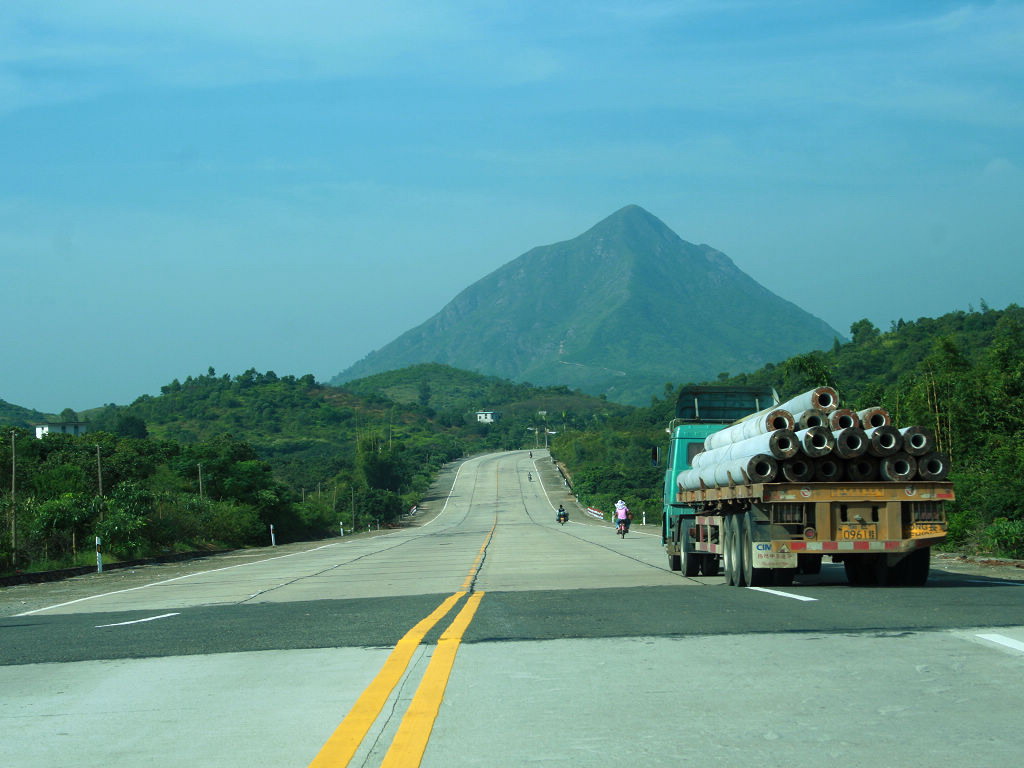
621	514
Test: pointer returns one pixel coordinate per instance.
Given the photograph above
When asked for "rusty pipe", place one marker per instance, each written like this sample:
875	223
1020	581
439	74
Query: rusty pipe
900	467
850	443
874	417
828	470
843	418
861	469
933	466
883	441
812	417
798	470
917	441
816	441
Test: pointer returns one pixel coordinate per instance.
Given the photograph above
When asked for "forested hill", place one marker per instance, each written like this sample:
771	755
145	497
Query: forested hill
309	432
16	416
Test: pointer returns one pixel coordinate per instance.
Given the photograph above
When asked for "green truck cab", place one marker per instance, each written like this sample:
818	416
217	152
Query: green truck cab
701	411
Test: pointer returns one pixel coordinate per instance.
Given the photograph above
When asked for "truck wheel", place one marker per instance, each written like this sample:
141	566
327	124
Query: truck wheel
674	562
860	571
916	566
688	559
752	577
709	565
732	576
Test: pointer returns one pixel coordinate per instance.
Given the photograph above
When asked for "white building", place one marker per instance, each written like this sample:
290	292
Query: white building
62	428
487	417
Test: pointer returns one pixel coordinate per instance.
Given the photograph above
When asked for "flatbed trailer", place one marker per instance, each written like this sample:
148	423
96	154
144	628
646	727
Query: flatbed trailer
764	534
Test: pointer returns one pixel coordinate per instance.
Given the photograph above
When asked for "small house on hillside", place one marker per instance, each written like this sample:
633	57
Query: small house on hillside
61	428
487	417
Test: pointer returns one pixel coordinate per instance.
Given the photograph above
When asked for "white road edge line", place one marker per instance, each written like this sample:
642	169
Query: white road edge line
238	565
176	578
785	594
1005	641
137	621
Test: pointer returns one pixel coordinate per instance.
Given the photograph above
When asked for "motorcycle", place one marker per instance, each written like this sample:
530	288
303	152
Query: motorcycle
563	517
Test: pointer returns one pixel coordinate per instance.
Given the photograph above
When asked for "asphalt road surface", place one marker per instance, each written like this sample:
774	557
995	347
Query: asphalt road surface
482	633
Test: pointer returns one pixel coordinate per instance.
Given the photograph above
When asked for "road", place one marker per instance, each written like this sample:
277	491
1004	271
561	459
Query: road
483	633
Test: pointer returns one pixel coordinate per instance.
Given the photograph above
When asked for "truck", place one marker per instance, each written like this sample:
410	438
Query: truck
765	533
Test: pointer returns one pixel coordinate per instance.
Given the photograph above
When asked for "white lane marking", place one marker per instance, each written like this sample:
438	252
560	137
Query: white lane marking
176	578
137	621
450	492
1003	640
785	594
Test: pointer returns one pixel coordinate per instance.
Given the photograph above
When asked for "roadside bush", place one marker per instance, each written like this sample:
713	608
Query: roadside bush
1005	537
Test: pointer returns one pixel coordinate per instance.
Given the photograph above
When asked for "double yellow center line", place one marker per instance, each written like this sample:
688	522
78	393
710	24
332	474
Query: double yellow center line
410	741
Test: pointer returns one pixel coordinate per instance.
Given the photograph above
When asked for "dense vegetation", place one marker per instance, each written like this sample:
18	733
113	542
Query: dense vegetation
213	461
961	375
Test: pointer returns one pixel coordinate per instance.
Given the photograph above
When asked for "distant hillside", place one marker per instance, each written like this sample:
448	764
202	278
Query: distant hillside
444	389
620	310
16	416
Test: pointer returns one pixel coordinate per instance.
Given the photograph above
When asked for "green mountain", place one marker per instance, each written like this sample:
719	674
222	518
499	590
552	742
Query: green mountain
619	310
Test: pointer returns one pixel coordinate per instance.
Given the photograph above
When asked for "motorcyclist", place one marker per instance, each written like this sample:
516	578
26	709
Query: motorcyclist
529	476
561	515
622	515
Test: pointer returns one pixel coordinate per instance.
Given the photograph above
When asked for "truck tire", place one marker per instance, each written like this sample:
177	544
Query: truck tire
917	565
709	565
689	561
752	577
674	562
732	575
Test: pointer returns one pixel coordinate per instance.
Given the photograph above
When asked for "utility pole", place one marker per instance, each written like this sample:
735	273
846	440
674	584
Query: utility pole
99	470
200	480
14	509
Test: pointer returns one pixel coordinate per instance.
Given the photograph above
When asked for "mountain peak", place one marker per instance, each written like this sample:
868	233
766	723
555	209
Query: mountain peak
611	311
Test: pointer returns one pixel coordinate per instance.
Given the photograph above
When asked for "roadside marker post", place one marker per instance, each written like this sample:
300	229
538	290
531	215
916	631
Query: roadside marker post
273	539
99	556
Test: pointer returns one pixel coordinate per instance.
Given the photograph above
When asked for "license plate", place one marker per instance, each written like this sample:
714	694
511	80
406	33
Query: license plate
857	532
927	529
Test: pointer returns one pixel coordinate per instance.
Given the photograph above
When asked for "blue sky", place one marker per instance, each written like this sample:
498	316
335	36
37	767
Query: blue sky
288	186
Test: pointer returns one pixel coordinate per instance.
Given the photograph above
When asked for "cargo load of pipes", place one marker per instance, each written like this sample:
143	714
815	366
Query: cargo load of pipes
810	438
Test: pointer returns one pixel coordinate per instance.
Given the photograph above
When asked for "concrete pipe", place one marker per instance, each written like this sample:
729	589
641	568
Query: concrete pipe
843	418
815	441
828	470
758	424
780	444
797	470
883	441
820	398
810	418
862	469
917	441
932	466
850	443
874	417
900	467
760	468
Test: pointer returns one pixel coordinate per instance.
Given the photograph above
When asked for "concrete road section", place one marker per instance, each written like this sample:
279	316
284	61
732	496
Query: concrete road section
484	633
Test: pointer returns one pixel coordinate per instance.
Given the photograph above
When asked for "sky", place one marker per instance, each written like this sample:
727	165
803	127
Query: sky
288	186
